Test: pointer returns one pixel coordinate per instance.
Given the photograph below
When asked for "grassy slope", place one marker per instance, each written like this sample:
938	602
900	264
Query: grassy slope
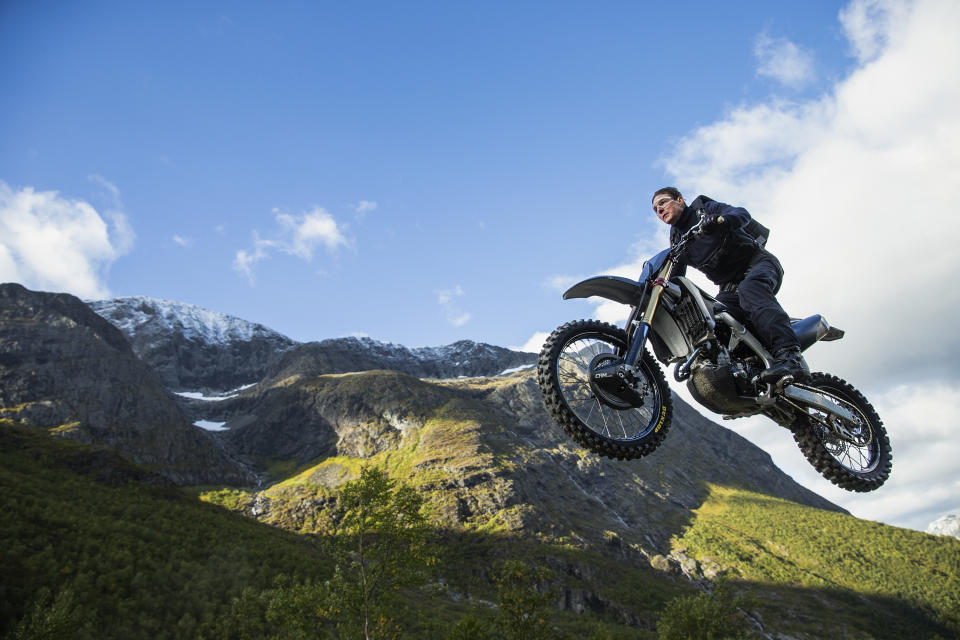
830	568
872	579
155	562
139	561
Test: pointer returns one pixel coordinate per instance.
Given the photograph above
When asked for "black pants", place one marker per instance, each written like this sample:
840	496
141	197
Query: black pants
753	301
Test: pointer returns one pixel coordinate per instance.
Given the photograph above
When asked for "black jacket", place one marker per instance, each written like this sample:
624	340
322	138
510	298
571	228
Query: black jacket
723	256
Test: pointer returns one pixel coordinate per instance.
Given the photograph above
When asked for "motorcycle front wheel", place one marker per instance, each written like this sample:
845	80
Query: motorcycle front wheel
856	455
599	421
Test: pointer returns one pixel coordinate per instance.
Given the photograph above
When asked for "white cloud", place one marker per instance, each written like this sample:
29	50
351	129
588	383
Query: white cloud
180	240
859	204
561	283
858	189
446	298
53	243
296	235
304	233
783	61
870	25
365	207
122	233
534	344
245	261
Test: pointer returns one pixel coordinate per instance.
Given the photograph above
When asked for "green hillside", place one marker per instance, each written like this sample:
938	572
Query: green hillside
120	559
94	547
881	581
89	551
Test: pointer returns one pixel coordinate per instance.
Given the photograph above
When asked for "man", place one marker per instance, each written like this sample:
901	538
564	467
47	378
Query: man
749	276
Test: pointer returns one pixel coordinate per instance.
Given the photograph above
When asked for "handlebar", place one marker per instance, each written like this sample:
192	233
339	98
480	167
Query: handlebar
695	232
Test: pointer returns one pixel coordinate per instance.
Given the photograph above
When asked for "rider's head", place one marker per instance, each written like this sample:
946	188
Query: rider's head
668	204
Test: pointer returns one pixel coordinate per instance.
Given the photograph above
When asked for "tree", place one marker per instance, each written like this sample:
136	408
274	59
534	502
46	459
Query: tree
59	618
380	540
710	616
378	537
524	600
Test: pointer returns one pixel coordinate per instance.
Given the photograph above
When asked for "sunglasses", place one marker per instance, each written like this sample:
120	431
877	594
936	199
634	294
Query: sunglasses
659	203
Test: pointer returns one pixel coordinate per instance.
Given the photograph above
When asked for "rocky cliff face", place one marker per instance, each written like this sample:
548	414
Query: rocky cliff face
195	349
342	355
486	454
65	369
191	348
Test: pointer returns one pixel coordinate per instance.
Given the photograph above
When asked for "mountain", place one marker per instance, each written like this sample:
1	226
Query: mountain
195	349
178	568
464	425
485	453
192	348
66	370
483	447
342	355
945	526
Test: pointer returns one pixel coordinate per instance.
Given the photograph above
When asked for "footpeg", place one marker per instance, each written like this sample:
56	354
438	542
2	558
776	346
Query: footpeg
783	383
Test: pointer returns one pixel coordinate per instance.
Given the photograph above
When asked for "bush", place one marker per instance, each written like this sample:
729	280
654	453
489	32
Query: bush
706	616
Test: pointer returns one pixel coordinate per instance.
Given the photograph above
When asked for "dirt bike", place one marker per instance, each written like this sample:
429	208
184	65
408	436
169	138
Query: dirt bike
606	391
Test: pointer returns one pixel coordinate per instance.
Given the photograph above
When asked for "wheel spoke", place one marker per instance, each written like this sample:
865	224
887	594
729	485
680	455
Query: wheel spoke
856	455
623	428
573	373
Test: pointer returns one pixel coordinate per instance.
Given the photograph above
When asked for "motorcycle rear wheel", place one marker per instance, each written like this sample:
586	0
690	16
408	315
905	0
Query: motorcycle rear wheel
597	421
854	456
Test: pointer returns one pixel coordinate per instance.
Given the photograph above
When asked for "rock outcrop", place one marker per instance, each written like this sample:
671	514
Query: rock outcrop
191	348
65	369
486	453
342	355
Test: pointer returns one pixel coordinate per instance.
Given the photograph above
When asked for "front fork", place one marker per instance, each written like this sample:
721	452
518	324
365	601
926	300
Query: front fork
645	321
619	379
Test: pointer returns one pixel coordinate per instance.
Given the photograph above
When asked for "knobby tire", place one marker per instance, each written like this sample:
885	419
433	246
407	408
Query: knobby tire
816	443
558	404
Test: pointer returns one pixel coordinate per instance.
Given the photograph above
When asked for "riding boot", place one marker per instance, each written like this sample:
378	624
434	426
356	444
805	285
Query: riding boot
787	362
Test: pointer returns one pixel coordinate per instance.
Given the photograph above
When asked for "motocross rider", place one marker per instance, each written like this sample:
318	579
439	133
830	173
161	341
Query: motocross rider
749	276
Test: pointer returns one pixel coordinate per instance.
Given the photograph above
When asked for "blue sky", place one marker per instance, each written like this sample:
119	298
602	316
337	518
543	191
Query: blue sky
493	139
432	171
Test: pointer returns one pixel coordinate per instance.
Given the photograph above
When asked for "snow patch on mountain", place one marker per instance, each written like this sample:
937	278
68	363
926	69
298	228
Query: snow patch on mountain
523	367
211	426
227	395
946	526
459	353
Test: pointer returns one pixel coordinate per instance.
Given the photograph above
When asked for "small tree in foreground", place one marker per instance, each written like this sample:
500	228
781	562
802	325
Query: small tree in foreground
524	600
708	616
380	540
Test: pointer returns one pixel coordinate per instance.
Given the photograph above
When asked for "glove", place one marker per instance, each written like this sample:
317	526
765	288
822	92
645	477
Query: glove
712	224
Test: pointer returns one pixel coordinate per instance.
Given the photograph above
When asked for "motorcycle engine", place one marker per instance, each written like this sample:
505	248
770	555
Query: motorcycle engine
716	387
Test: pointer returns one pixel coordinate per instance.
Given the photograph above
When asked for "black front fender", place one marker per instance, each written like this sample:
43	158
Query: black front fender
622	290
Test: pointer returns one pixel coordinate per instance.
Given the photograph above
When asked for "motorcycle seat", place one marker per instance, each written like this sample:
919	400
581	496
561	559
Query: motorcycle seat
813	328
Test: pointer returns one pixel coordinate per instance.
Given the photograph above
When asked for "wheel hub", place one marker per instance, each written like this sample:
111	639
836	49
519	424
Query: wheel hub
613	383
